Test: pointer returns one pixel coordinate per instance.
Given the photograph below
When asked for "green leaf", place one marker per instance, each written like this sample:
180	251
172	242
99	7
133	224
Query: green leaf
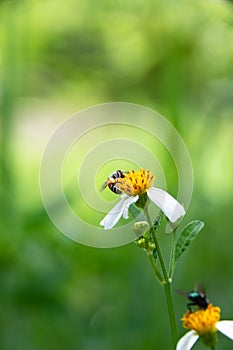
186	237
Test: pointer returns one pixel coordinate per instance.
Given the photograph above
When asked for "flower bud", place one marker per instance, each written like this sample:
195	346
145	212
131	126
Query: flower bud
140	228
141	242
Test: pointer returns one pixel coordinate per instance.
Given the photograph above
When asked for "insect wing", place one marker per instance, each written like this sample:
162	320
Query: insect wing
200	288
182	292
105	184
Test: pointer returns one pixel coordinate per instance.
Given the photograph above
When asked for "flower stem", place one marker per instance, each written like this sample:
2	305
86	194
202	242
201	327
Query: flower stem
171	263
156	270
166	281
171	312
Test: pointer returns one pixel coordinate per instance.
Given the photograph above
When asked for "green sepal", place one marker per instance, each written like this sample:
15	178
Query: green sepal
186	237
142	201
209	339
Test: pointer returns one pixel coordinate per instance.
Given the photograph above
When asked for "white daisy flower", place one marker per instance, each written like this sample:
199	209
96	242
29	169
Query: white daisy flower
134	184
204	324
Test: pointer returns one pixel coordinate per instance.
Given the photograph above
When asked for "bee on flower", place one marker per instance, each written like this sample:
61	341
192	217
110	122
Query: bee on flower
203	324
132	187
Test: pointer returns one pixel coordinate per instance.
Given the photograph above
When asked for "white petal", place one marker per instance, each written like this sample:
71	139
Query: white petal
121	208
187	341
225	327
127	203
112	218
168	204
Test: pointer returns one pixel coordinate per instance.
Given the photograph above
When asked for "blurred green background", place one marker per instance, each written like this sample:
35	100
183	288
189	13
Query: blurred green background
57	58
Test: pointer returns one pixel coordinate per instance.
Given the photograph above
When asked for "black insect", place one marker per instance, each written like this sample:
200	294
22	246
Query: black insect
112	181
197	298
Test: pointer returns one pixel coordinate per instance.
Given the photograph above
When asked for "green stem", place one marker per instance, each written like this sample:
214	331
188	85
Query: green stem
167	288
155	268
171	263
166	282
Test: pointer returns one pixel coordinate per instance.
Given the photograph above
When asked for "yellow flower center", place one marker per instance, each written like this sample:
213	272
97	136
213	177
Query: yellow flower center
136	182
202	321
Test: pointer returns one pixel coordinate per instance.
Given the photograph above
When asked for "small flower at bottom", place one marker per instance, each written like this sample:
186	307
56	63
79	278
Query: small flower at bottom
133	186
204	324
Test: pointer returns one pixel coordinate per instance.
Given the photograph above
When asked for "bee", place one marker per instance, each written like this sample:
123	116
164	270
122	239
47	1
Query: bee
112	181
197	298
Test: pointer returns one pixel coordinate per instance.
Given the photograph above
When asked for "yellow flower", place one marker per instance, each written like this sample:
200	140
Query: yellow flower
136	183
202	321
203	324
133	186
